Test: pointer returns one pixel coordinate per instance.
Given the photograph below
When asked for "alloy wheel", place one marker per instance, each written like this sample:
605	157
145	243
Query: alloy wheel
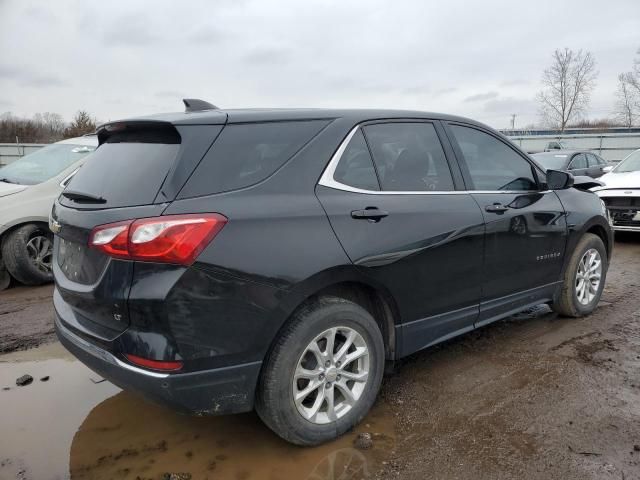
331	375
588	276
40	252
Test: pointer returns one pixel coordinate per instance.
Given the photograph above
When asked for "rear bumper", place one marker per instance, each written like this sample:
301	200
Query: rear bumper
208	392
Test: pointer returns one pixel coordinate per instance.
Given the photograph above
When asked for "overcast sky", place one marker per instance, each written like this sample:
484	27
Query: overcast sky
478	59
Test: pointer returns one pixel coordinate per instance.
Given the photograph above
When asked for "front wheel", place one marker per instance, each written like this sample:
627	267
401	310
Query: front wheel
584	278
27	252
323	374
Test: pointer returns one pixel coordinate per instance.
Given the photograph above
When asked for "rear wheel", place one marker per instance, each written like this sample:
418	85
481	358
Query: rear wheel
584	278
27	252
323	374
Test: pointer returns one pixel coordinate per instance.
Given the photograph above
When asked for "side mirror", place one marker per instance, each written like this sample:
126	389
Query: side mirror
607	169
557	180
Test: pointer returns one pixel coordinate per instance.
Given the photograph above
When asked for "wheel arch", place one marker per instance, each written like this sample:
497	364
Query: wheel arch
600	231
10	227
350	284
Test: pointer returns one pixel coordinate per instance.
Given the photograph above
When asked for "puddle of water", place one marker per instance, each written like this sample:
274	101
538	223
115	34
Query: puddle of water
39	420
70	427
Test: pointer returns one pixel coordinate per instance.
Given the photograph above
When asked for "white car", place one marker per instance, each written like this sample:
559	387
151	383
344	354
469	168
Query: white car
621	193
28	188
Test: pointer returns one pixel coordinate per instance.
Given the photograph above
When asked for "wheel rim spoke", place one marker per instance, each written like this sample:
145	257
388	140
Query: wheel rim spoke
357	377
314	348
313	411
347	344
313	385
331	409
331	338
355	355
346	392
307	374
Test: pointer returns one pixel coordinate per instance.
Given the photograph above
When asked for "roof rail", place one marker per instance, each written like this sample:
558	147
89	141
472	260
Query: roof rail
197	105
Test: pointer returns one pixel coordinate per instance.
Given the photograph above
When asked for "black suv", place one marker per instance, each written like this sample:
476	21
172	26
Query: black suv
221	260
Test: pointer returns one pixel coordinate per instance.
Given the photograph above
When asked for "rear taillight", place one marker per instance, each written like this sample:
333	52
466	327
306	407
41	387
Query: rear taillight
169	239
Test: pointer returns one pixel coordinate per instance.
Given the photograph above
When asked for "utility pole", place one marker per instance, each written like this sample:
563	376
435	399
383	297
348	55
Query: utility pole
513	121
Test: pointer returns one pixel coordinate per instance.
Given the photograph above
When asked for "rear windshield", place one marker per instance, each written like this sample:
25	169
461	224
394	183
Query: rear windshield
246	154
128	169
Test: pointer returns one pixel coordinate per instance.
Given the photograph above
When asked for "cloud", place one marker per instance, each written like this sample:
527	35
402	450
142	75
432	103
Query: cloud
509	105
169	94
126	58
446	91
481	97
516	82
206	35
130	31
267	55
26	77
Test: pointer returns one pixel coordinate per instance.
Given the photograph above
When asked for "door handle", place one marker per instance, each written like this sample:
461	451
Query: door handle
370	213
497	208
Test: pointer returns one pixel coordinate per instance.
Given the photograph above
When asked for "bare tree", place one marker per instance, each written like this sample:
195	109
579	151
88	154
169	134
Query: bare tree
567	86
42	128
627	100
633	80
82	124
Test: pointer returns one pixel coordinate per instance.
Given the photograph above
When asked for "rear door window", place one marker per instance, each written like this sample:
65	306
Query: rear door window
409	157
128	169
356	166
579	161
245	154
593	160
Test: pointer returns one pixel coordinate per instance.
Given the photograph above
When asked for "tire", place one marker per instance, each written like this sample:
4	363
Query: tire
570	303
24	261
5	278
275	395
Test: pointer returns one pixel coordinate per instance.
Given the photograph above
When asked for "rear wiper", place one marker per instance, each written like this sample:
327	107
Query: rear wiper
83	197
6	180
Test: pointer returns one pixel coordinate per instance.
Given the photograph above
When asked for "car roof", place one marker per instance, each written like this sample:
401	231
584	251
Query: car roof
567	153
90	140
222	116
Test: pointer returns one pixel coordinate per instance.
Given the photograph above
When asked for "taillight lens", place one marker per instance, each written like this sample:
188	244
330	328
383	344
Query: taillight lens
169	239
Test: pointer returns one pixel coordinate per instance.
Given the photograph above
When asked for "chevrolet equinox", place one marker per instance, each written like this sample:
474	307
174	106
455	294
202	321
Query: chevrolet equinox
218	261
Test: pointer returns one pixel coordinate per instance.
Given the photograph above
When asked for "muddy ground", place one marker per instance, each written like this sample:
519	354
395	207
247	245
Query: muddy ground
534	396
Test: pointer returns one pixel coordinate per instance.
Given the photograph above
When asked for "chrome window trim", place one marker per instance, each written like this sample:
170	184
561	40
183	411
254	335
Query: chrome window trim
327	179
68	178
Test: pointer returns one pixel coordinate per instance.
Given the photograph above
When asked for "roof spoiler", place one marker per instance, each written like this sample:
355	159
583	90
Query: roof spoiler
197	105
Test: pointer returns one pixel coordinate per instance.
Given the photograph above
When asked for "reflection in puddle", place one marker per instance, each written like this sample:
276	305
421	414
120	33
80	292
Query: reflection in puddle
126	436
70	426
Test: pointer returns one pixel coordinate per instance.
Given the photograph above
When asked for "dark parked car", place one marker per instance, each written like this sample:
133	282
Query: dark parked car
578	162
218	261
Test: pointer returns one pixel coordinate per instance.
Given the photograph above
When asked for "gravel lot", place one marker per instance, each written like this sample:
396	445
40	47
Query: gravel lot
534	396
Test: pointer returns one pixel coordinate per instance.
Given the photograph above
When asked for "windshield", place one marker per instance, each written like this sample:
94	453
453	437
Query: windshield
43	164
629	164
551	161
